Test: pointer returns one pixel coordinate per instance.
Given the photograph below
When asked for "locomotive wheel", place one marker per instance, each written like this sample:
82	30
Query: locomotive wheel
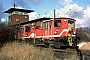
46	45
31	40
23	41
57	42
35	41
39	41
74	42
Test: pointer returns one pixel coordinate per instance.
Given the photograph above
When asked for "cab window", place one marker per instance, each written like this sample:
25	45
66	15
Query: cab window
70	23
50	25
27	29
57	23
45	25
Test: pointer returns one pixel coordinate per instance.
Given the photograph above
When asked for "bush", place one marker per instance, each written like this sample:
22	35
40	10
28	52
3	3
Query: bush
84	36
7	34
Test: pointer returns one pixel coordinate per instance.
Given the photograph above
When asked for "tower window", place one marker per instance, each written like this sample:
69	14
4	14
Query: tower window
25	16
25	13
17	20
16	12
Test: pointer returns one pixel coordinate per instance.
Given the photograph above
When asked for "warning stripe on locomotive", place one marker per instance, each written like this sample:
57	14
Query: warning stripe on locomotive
33	35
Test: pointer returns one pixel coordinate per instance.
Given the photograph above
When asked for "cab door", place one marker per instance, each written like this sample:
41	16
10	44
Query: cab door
45	26
50	28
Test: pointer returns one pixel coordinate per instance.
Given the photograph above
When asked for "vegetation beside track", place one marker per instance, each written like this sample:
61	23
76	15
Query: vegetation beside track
23	51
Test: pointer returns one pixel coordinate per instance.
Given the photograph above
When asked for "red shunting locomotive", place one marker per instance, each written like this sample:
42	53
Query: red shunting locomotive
57	32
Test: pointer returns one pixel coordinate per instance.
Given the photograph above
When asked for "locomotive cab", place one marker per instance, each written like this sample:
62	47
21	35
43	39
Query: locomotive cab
23	32
63	26
65	30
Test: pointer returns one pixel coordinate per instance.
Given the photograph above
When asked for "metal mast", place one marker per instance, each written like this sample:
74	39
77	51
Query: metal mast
14	3
54	14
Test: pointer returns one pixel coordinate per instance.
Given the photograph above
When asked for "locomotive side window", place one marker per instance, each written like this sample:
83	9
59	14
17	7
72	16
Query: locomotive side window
57	23
27	29
21	30
36	23
45	25
70	23
41	23
50	25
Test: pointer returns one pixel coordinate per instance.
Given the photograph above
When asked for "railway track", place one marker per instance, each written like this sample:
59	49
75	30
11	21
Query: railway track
64	49
65	52
67	49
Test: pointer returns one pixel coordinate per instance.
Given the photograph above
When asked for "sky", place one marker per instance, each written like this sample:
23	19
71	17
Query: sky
76	9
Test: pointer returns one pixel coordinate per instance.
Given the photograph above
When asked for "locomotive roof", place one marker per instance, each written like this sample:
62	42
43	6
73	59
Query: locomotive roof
16	9
65	18
40	19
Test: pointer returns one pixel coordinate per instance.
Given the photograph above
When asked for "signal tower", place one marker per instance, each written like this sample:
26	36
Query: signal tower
17	15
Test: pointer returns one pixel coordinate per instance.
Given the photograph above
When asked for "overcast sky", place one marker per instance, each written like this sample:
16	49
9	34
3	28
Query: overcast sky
77	9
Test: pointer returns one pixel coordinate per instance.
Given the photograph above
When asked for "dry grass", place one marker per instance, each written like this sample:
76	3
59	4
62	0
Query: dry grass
72	57
88	35
23	51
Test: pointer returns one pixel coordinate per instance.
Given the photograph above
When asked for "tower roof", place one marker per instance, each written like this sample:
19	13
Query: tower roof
16	9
